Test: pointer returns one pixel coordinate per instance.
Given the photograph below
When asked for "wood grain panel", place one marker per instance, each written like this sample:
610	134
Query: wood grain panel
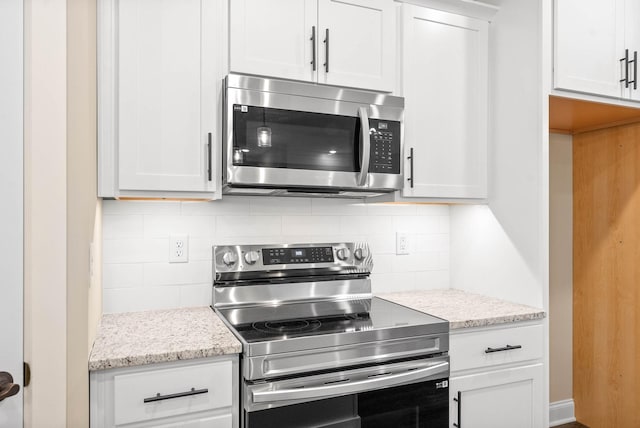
572	116
606	300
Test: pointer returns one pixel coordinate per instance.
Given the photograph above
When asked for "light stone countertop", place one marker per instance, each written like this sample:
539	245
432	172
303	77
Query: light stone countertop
464	310
139	338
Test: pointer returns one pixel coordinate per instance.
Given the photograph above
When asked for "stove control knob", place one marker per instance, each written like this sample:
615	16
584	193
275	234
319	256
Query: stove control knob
343	253
251	257
229	258
361	253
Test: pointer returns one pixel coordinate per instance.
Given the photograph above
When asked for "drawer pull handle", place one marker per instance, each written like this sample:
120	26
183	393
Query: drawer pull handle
506	348
159	397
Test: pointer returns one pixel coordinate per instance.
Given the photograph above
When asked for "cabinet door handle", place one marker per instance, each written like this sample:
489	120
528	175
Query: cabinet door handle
326	51
626	68
313	47
459	401
506	348
410	157
159	397
209	172
635	70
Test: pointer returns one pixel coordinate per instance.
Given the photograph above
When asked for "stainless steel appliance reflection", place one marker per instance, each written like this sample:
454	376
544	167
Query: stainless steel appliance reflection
288	138
319	350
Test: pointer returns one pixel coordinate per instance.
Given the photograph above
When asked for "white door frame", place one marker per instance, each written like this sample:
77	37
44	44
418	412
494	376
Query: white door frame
12	211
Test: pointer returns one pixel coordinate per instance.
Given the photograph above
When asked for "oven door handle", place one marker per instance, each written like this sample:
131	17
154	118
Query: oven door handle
345	388
365	146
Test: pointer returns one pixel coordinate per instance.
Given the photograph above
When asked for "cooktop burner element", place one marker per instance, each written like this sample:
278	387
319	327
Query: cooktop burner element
287	326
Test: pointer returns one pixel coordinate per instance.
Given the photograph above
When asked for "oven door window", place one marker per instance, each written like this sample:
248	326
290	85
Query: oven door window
419	405
275	138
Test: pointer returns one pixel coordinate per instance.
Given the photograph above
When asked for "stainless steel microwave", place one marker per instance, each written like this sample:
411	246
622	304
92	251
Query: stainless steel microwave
292	138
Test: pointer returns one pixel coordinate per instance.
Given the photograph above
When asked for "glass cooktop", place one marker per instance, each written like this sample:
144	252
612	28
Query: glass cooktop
320	324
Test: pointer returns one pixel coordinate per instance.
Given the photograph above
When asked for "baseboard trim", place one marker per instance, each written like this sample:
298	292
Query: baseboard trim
561	412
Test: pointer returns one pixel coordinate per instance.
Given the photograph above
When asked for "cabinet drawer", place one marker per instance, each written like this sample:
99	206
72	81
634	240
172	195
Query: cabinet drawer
469	350
171	392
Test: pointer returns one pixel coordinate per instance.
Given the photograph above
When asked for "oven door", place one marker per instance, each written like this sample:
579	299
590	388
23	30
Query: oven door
291	141
409	394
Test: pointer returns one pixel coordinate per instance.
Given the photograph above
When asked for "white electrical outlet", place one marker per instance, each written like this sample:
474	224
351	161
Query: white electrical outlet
178	248
402	243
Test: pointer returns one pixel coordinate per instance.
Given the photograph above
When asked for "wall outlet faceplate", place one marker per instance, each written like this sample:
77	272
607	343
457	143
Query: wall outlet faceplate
402	243
178	248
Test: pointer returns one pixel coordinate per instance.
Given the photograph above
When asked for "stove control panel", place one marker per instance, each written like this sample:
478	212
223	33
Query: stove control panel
280	256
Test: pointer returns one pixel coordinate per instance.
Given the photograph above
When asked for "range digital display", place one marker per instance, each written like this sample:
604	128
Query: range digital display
282	256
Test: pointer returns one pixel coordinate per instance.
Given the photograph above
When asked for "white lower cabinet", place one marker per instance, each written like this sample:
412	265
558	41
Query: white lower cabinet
193	394
496	378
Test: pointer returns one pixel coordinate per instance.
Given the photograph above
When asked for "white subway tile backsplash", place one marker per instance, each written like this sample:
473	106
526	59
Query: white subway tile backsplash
123	226
138	276
433	209
196	295
328	206
140	207
164	226
248	225
134	250
232	205
365	224
177	273
310	225
116	275
139	299
392	209
280	206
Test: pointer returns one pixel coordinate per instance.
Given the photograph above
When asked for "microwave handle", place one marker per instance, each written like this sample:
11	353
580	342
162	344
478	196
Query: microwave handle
365	146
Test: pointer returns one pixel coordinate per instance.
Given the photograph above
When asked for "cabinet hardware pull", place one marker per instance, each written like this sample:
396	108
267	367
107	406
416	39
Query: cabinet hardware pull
459	401
635	70
209	157
410	179
313	47
160	397
506	348
326	51
626	68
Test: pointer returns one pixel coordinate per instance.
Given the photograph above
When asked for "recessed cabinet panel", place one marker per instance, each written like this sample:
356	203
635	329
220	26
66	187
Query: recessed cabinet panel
273	38
361	50
589	43
445	90
166	94
500	399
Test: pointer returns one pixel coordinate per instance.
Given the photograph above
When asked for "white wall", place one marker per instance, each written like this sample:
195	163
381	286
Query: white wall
500	249
137	275
11	195
561	268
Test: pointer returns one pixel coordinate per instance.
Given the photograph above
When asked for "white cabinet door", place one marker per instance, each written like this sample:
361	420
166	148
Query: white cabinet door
498	399
445	88
362	43
589	42
273	38
166	95
632	42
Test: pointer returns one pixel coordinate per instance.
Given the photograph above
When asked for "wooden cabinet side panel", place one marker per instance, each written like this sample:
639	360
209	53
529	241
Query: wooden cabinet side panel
606	271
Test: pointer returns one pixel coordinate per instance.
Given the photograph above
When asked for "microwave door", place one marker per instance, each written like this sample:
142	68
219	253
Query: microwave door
365	146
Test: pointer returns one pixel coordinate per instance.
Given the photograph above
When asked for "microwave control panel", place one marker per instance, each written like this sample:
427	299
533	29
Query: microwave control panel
385	146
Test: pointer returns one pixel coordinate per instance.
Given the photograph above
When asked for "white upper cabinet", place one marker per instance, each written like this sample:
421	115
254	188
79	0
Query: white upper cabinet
445	81
346	43
159	92
589	43
597	45
274	37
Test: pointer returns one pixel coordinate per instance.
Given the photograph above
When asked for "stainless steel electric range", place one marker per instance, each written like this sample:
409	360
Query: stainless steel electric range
319	350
